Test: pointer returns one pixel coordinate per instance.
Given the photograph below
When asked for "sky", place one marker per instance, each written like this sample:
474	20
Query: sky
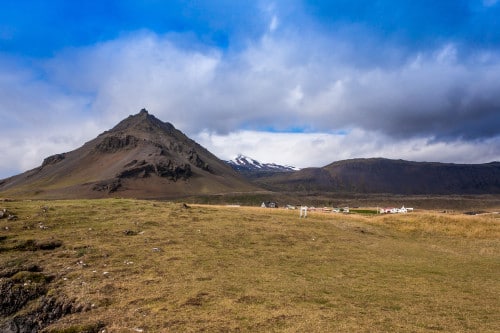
295	82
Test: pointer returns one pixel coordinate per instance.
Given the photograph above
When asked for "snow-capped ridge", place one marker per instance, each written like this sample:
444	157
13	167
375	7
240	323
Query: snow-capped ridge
245	163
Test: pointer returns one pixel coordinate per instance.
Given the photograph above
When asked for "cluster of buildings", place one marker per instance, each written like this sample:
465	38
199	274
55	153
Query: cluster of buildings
270	204
386	210
394	210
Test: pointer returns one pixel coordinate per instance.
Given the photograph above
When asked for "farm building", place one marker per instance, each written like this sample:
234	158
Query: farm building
393	210
269	204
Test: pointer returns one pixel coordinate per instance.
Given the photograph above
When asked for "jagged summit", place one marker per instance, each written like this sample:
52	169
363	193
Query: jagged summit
142	122
139	157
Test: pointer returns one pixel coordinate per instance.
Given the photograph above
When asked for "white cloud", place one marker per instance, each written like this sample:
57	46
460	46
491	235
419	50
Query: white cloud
319	149
27	151
274	23
283	83
295	97
447	54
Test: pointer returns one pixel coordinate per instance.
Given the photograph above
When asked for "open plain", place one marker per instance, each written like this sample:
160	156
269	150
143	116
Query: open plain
123	265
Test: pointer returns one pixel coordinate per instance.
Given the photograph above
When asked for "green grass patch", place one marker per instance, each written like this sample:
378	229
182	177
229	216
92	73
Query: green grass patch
364	211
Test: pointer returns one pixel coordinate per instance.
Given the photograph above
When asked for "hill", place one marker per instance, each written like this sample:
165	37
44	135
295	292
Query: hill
378	175
140	157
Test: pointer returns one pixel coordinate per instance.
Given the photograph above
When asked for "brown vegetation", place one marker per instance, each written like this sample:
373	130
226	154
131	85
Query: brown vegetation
160	266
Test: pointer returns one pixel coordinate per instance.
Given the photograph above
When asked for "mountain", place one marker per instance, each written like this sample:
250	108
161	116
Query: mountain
245	164
378	175
143	157
140	157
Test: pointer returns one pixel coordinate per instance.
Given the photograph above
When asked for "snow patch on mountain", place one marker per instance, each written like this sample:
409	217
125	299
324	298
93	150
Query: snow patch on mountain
245	163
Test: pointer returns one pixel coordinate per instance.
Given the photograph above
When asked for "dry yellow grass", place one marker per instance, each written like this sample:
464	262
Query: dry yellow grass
162	267
460	225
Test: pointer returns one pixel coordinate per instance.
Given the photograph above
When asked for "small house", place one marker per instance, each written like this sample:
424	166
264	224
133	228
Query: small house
269	204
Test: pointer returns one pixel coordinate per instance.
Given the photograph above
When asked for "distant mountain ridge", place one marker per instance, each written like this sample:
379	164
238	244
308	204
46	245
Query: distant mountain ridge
379	175
140	157
244	163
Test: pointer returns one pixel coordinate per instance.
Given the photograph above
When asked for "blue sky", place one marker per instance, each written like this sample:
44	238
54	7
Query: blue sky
417	80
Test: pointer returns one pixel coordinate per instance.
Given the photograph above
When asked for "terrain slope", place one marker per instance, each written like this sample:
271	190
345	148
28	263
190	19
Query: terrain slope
140	157
379	175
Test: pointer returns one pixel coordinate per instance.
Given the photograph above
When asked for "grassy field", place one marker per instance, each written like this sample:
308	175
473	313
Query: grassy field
152	266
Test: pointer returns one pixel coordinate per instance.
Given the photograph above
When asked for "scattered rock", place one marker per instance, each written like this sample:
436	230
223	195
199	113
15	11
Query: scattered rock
164	167
53	159
112	144
172	171
109	185
5	214
194	158
129	233
138	171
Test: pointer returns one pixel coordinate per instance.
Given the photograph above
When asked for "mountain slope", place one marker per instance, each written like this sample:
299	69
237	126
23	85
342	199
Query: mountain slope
140	157
379	175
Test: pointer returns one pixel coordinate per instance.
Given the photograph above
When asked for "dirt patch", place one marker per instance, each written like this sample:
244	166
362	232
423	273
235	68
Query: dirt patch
198	300
34	245
26	305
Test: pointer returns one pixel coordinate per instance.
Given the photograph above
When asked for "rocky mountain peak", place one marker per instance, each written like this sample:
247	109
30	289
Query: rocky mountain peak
143	122
141	156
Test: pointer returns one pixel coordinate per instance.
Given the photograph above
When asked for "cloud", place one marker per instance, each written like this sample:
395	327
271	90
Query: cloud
274	23
319	149
38	118
274	83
